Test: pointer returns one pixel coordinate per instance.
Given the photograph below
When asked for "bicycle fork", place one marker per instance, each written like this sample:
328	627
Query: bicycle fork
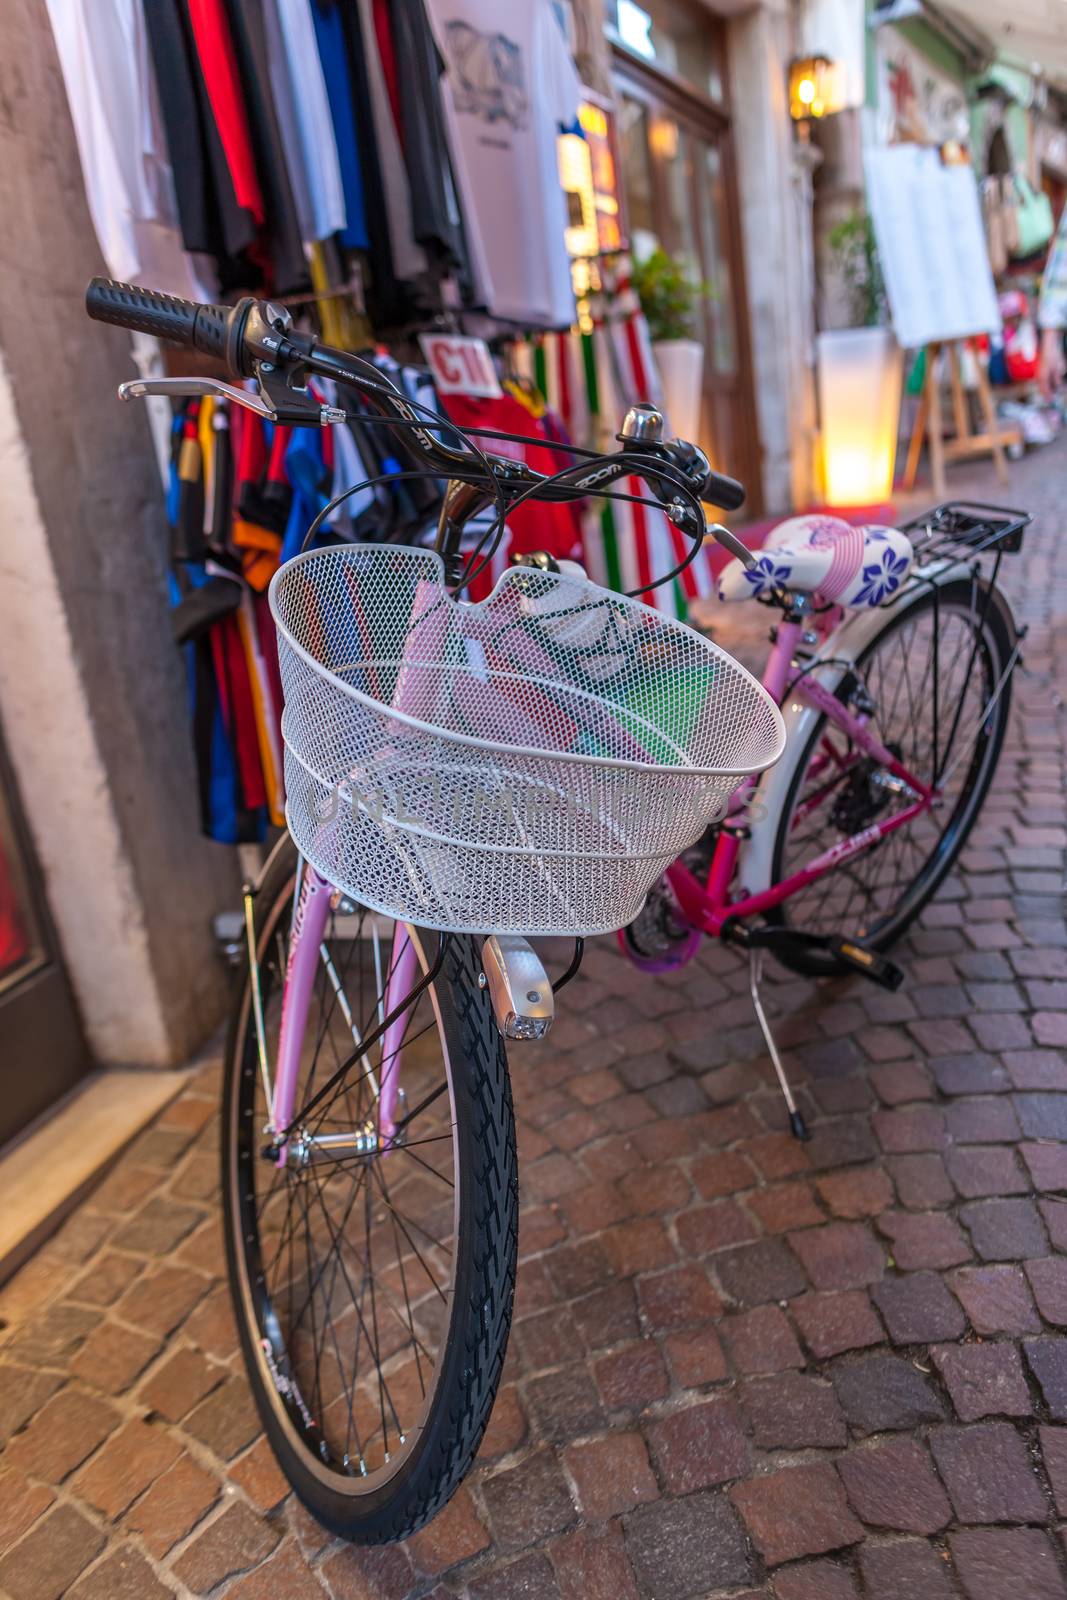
313	901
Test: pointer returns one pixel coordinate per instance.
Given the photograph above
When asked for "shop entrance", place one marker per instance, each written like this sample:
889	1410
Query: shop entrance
680	189
43	1051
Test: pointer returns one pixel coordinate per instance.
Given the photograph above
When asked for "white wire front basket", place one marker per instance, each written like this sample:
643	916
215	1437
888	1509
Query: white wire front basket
528	764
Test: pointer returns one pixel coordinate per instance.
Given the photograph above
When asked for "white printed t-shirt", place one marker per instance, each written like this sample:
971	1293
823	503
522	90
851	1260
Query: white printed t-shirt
510	86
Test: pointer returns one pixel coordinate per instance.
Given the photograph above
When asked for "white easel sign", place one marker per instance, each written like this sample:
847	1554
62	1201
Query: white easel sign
928	227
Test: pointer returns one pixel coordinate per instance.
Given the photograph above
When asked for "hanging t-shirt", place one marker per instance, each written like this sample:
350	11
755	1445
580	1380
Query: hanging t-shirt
424	138
283	241
104	57
212	220
304	114
333	54
409	258
535	524
510	86
214	44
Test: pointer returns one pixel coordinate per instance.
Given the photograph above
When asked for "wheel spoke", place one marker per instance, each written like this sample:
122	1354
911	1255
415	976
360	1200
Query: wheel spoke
352	1253
899	676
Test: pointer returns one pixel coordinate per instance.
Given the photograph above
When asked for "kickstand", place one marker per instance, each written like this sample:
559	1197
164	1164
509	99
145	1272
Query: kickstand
755	974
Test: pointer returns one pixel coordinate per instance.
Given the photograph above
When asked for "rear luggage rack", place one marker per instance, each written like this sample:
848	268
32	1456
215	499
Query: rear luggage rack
962	528
955	533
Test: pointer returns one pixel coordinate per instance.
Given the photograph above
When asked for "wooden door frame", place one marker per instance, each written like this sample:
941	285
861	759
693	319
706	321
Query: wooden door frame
654	87
45	1054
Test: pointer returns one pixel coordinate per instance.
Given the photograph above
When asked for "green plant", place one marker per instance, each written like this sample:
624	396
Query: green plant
669	295
852	244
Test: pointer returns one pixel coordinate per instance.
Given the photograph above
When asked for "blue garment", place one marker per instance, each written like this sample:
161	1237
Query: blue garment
305	467
218	785
174	487
174	595
330	38
222	788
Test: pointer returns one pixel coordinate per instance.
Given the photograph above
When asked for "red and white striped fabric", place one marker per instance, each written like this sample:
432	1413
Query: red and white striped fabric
591	379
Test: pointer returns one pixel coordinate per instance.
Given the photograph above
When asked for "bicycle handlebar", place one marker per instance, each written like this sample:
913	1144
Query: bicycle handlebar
164	316
256	339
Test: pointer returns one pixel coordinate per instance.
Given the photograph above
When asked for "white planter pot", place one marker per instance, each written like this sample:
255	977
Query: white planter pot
860	372
681	371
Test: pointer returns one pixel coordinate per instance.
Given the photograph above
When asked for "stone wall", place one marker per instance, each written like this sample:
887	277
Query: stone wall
92	691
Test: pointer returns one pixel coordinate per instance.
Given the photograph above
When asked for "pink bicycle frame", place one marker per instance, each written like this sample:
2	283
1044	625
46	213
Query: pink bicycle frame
313	900
708	906
312	908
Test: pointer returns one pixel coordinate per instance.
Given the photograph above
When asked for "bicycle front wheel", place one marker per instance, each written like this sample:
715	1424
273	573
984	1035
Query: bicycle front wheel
372	1281
937	680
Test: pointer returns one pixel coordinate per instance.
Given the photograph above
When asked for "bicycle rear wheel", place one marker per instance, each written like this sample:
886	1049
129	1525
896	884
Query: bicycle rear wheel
372	1286
954	734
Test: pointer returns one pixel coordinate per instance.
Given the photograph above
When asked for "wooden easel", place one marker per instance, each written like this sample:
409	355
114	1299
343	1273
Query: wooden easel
966	444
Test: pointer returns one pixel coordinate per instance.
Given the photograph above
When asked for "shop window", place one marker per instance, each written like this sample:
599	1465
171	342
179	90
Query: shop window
679	38
677	149
634	146
716	263
999	162
20	944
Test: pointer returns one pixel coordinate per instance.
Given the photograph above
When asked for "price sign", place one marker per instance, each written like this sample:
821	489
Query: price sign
460	365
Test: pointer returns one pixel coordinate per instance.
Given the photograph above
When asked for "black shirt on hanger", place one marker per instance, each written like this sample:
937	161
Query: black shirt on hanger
435	210
284	243
387	299
211	221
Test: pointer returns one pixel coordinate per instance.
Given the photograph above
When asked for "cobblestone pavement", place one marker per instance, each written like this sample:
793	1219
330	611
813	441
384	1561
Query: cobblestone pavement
739	1366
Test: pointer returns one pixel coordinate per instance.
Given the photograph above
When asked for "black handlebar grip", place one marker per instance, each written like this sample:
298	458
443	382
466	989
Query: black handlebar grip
162	315
722	491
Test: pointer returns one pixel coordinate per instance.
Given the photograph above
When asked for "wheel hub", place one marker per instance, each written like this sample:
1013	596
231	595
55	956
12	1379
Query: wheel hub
362	1141
867	791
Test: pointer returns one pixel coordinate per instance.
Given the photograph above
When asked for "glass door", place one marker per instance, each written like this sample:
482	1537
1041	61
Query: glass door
677	171
43	1053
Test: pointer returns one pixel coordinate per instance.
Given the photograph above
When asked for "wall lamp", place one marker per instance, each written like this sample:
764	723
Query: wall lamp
812	89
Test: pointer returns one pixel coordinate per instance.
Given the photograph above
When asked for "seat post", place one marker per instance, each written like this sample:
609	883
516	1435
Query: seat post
784	639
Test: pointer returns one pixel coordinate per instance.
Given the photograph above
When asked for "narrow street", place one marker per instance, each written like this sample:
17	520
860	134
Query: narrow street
739	1366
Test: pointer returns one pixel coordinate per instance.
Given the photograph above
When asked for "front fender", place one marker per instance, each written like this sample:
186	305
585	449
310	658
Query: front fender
841	650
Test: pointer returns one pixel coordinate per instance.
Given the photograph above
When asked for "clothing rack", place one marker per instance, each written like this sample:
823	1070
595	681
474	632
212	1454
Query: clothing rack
223	143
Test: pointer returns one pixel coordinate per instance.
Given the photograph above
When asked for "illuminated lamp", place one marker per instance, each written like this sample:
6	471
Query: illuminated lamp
859	372
812	88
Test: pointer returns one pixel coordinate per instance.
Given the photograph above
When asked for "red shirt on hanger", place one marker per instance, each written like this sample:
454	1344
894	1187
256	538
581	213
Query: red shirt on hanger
214	46
383	33
536	524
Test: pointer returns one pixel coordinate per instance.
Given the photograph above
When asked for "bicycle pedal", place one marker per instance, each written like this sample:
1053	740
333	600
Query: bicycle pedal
778	941
866	962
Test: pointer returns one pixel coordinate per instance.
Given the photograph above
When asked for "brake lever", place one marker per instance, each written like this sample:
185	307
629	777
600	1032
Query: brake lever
181	388
731	542
682	517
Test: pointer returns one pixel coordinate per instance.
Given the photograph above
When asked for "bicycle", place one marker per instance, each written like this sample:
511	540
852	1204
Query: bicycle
371	1223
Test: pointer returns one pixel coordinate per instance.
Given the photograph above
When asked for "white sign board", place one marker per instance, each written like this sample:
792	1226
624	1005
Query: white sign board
460	365
928	226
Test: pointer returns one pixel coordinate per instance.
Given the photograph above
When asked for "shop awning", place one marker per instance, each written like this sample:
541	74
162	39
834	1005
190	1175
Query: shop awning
1031	32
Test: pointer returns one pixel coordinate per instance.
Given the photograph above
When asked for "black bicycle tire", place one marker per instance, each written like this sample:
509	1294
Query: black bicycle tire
814	963
487	1248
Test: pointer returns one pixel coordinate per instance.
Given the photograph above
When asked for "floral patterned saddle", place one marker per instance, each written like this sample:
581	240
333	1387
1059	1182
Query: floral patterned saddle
824	555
